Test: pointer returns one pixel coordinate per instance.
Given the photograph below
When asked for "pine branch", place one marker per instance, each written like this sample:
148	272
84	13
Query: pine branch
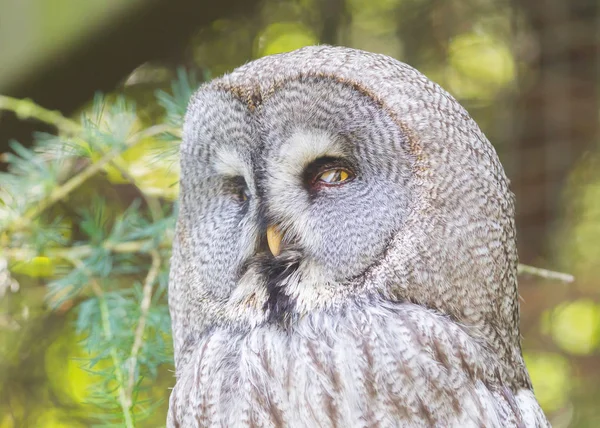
80	252
65	189
141	326
27	109
124	398
152	202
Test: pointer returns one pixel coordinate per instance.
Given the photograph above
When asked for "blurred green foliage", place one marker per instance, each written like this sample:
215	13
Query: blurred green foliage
64	222
284	37
86	216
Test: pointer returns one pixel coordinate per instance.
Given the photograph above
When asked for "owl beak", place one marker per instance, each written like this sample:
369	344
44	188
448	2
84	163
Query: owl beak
274	237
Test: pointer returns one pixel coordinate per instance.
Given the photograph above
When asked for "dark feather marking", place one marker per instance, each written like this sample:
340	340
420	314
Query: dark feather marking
277	270
442	357
399	404
330	405
335	378
251	419
370	384
274	412
173	405
393	399
510	399
426	413
264	357
201	415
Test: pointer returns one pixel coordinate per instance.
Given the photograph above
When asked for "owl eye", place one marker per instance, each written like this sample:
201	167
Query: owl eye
334	176
327	172
244	194
239	189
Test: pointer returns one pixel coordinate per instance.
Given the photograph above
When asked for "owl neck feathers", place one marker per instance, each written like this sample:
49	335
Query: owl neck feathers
432	267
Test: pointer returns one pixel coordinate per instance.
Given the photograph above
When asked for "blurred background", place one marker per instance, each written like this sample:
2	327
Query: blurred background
526	70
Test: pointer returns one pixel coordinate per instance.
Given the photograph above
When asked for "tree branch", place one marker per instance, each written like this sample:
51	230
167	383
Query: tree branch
124	400
65	189
141	326
26	109
544	273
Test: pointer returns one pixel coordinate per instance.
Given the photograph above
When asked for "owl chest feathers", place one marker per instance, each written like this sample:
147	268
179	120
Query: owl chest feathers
382	364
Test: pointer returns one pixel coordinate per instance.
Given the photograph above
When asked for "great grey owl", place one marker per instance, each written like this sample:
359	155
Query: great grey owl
344	255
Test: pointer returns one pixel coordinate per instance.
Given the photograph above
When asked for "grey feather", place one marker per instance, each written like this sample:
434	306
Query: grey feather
394	299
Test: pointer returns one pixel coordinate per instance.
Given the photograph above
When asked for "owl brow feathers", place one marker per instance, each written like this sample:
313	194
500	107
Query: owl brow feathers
254	98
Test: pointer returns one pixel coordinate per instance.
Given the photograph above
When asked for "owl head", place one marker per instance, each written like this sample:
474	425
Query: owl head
327	175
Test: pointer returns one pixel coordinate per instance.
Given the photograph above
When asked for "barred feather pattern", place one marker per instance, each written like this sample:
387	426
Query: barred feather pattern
374	364
393	301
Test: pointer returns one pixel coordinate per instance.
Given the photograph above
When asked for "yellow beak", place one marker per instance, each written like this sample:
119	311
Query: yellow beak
274	239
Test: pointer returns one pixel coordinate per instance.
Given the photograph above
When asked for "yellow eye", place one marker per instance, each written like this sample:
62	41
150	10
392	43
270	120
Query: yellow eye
334	176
